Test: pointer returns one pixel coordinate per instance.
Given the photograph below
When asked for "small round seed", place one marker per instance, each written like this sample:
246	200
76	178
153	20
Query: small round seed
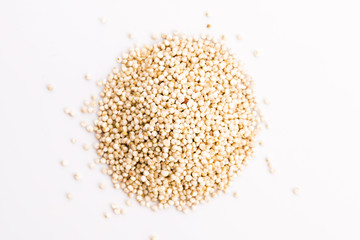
63	163
69	196
102	186
99	83
236	194
131	36
256	53
266	101
86	147
91	165
106	215
296	191
208	26
238	37
114	206
272	170
122	211
103	20
207	14
128	202
83	123
50	87
261	143
73	140
223	37
87	77
77	176
84	110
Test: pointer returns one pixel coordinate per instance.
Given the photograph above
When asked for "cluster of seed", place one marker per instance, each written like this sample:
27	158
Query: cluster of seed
177	122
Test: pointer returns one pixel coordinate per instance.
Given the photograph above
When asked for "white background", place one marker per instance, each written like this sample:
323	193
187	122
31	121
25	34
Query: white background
308	68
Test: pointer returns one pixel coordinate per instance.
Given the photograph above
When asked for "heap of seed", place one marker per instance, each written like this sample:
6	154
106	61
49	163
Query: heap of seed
177	122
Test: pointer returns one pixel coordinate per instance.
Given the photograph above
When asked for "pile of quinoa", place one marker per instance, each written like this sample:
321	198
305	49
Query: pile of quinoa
177	121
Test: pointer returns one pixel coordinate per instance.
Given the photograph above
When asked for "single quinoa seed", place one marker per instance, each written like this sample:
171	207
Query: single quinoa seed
50	87
176	122
238	37
208	26
63	163
256	53
69	196
88	77
296	191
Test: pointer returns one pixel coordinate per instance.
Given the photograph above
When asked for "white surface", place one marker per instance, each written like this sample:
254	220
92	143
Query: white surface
309	69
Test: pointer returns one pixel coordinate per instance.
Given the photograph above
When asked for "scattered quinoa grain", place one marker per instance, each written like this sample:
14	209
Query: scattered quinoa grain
256	53
296	191
130	36
103	20
154	37
86	147
266	101
207	14
106	215
236	194
91	165
63	163
208	25
73	140
69	196
261	143
83	123
102	185
122	211
50	87
128	202
77	176
87	77
238	37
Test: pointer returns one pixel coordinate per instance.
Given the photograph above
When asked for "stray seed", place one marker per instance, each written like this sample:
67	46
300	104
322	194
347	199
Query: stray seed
261	143
106	215
69	196
73	140
84	110
116	211
154	208
256	53
223	37
185	210
296	191
236	194
130	36
207	14
83	123
104	171
272	170
103	20
102	185
63	163
266	101
71	113
77	176
238	37
86	147
208	26
67	110
89	128
97	161
128	202
93	97
267	126
90	110
99	83
50	87
91	165
122	211
88	77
